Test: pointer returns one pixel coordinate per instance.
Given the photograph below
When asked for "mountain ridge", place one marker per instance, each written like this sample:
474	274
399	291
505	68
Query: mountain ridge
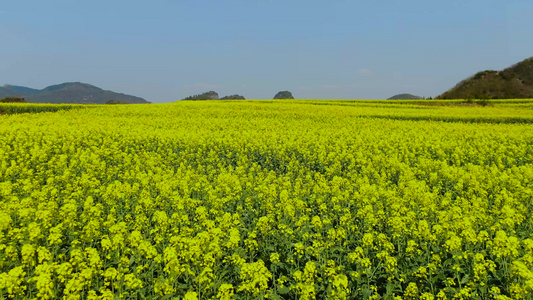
20	90
68	92
4	92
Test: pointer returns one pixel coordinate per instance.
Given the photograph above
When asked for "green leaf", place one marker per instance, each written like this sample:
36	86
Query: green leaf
367	293
438	277
283	291
465	279
447	262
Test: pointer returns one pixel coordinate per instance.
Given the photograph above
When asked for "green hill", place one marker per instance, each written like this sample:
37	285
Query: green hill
4	92
69	92
404	97
284	95
515	82
21	90
77	92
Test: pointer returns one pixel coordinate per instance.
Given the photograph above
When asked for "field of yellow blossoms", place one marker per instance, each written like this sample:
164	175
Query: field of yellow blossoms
267	199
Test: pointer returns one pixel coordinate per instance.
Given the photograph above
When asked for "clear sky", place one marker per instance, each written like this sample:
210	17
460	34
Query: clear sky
167	50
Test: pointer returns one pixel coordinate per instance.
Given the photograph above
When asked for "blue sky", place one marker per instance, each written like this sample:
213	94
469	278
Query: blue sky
167	50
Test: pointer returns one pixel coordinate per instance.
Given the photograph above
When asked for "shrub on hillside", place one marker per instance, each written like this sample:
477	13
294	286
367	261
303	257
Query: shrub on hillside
12	100
211	95
116	102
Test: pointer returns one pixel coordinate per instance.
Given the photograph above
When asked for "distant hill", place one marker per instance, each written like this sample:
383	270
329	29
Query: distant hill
21	90
514	82
284	95
77	92
115	102
69	92
404	97
211	95
6	92
233	97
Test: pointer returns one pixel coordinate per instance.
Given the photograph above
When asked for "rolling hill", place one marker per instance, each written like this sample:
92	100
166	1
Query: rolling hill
404	97
21	90
515	82
4	92
69	92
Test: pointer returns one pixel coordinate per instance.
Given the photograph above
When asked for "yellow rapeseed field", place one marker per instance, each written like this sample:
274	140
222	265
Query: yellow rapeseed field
267	199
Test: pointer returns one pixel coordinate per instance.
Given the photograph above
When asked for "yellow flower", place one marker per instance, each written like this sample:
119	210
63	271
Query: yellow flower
255	277
299	249
274	258
190	296
411	292
43	281
225	292
453	243
132	282
28	255
12	282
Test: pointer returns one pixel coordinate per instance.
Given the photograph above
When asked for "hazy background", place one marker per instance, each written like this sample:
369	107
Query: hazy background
167	50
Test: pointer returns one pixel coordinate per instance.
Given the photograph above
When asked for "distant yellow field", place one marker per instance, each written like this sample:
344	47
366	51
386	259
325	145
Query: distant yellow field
289	199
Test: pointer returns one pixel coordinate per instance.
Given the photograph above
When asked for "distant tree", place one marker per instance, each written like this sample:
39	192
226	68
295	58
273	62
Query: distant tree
12	100
116	102
284	95
211	95
233	97
484	102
